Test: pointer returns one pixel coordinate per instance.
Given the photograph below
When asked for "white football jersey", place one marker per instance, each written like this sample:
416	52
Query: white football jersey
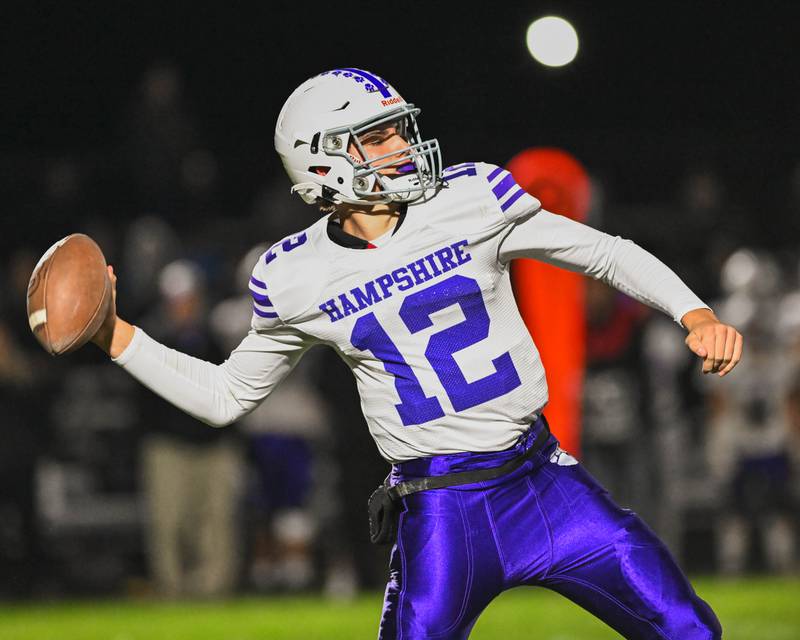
427	321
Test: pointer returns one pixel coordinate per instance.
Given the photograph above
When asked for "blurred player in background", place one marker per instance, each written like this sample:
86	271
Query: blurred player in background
286	441
407	278
749	447
615	427
191	475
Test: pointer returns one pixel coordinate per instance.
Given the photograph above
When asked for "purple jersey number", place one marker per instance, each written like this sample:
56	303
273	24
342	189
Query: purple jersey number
287	245
415	407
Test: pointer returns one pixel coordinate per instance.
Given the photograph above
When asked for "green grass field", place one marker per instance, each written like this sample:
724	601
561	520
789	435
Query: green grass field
756	609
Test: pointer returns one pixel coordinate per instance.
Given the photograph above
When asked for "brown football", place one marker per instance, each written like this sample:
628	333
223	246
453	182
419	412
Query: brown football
68	294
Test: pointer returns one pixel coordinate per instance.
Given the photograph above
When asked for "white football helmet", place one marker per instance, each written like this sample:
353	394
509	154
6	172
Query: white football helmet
325	114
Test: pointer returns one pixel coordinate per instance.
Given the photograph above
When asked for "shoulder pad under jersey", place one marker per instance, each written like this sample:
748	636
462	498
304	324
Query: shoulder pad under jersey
493	187
287	279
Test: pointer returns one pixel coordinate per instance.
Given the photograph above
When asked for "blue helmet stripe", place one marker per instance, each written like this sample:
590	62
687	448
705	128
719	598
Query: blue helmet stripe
368	76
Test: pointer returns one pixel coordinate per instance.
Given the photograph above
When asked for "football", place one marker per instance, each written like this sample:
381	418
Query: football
68	294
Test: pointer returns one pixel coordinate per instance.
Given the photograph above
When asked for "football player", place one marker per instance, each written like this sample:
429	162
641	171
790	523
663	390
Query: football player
407	277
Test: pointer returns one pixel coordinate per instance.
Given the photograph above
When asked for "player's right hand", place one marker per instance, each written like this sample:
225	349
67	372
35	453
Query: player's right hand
718	344
114	334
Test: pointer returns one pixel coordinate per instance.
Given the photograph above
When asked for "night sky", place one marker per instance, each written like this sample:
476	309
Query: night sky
656	86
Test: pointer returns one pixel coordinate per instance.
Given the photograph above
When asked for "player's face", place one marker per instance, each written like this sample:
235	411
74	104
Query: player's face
384	139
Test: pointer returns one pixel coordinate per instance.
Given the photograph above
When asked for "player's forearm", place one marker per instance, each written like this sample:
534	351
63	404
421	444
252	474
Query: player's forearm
621	263
197	387
644	277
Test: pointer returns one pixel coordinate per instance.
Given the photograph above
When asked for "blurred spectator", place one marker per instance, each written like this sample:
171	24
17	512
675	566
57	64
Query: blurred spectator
359	470
149	245
286	440
793	418
191	473
87	486
24	428
615	431
789	331
18	456
749	429
679	471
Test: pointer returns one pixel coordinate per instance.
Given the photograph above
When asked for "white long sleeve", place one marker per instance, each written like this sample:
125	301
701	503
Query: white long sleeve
565	243
215	394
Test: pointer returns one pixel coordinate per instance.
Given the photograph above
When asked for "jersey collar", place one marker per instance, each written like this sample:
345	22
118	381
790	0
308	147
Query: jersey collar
349	241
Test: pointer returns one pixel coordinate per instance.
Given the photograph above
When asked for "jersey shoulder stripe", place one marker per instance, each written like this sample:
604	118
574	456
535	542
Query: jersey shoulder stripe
489	193
464	202
458	170
513	201
286	278
262	305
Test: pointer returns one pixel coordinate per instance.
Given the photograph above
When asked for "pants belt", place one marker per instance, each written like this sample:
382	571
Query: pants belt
408	487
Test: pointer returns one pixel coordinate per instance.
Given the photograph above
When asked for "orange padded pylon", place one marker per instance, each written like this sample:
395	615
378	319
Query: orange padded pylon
551	300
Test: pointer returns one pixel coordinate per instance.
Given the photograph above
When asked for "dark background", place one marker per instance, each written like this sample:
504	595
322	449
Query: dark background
683	113
655	86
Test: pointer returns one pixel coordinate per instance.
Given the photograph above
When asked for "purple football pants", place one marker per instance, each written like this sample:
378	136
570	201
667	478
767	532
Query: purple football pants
549	524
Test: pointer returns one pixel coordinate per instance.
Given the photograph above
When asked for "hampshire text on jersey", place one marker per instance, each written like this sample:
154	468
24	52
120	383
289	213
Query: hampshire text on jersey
406	277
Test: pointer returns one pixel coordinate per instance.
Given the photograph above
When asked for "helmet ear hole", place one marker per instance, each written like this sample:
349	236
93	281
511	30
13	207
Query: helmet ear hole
319	170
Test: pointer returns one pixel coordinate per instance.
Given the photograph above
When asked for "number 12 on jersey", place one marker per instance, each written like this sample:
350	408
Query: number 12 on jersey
415	407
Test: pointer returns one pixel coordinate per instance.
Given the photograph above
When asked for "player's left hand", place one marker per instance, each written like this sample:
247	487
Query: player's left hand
718	344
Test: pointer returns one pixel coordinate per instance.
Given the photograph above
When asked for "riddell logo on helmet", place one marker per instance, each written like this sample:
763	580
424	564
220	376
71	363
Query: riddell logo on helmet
391	101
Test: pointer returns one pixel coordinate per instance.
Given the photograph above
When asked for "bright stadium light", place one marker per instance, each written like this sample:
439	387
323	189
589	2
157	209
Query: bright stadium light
552	41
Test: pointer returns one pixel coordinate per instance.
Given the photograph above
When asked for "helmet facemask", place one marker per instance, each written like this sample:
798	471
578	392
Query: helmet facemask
418	165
